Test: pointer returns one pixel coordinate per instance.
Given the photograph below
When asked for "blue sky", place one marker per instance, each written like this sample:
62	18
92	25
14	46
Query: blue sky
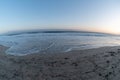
90	15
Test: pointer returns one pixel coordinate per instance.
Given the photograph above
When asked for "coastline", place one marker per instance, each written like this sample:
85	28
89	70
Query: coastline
91	64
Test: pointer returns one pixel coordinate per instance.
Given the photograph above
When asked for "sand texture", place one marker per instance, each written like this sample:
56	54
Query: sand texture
93	64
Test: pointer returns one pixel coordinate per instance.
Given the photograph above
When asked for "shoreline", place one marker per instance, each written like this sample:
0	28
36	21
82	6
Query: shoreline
91	64
66	51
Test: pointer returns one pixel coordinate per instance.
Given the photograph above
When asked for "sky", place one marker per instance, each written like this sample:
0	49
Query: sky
87	15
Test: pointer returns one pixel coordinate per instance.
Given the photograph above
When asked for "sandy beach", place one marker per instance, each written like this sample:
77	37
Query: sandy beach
92	64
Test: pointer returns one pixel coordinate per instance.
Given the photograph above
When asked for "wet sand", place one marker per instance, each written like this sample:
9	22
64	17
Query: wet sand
92	64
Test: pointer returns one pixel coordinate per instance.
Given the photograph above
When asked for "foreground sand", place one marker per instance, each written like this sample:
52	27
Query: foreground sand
93	64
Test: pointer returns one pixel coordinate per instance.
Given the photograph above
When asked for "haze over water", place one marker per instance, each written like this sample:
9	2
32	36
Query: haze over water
77	15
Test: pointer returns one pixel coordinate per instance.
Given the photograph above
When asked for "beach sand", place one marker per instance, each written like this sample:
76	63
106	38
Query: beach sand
92	64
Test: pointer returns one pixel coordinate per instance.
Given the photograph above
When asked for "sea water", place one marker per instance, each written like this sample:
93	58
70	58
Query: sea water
22	44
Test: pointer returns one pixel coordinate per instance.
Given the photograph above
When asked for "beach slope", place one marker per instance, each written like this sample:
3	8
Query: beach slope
92	64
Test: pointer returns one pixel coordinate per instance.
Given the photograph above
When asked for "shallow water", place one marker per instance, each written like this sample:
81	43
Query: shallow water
23	44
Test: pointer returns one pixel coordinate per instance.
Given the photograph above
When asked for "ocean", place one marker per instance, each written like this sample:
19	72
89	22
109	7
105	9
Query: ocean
27	43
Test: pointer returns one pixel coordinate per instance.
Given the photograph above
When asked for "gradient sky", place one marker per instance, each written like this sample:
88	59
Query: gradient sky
89	15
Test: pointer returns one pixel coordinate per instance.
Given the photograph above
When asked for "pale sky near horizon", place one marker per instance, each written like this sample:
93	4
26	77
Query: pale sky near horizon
89	15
